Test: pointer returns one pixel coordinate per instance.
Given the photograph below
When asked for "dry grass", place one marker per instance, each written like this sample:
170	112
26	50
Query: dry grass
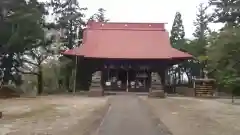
191	116
58	115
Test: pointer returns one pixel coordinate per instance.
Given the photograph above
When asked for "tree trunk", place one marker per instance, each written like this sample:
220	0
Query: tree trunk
233	96
70	38
189	78
175	77
174	82
179	76
202	73
40	81
67	82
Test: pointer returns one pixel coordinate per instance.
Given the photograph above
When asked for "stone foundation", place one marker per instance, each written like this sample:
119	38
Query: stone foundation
185	91
157	94
95	93
8	91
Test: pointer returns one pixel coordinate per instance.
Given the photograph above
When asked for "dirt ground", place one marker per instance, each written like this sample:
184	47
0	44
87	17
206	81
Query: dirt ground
52	115
192	116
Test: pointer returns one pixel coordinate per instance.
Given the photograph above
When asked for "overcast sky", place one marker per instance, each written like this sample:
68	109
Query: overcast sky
147	11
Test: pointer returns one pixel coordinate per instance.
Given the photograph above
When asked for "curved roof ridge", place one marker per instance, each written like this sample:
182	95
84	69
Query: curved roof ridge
127	41
126	26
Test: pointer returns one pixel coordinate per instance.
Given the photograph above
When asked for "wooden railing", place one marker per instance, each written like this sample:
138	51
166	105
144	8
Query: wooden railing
204	87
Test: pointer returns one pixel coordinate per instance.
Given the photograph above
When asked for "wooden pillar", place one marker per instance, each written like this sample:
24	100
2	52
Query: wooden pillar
162	76
78	77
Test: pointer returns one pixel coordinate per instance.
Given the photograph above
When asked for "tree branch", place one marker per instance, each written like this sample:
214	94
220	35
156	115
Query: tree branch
24	72
29	62
44	58
30	73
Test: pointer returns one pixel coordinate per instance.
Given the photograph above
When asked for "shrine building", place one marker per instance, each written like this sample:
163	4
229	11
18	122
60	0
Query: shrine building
130	57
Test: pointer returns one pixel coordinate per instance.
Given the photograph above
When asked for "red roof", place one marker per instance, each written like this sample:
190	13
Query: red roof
127	41
71	51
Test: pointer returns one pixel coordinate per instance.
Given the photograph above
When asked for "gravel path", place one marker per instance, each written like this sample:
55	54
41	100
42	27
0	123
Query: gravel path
127	115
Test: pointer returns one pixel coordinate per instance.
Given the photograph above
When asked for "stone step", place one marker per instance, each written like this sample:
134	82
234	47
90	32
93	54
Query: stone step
156	87
157	94
95	85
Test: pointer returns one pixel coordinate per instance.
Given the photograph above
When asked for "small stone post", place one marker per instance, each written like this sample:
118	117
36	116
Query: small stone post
157	88
96	88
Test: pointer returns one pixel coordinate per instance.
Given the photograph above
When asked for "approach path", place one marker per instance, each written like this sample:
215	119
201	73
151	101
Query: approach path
128	115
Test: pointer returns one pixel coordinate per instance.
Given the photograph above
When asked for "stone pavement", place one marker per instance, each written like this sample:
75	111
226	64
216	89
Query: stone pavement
127	115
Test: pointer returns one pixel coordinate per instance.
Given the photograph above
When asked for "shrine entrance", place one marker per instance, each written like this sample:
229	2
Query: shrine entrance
138	81
128	80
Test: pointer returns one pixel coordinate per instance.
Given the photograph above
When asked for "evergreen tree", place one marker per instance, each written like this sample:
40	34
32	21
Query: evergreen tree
223	58
177	40
226	11
177	32
197	47
21	27
69	17
201	32
99	16
223	49
201	23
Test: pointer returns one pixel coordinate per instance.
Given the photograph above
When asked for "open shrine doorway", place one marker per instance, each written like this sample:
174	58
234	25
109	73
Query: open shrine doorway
128	80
